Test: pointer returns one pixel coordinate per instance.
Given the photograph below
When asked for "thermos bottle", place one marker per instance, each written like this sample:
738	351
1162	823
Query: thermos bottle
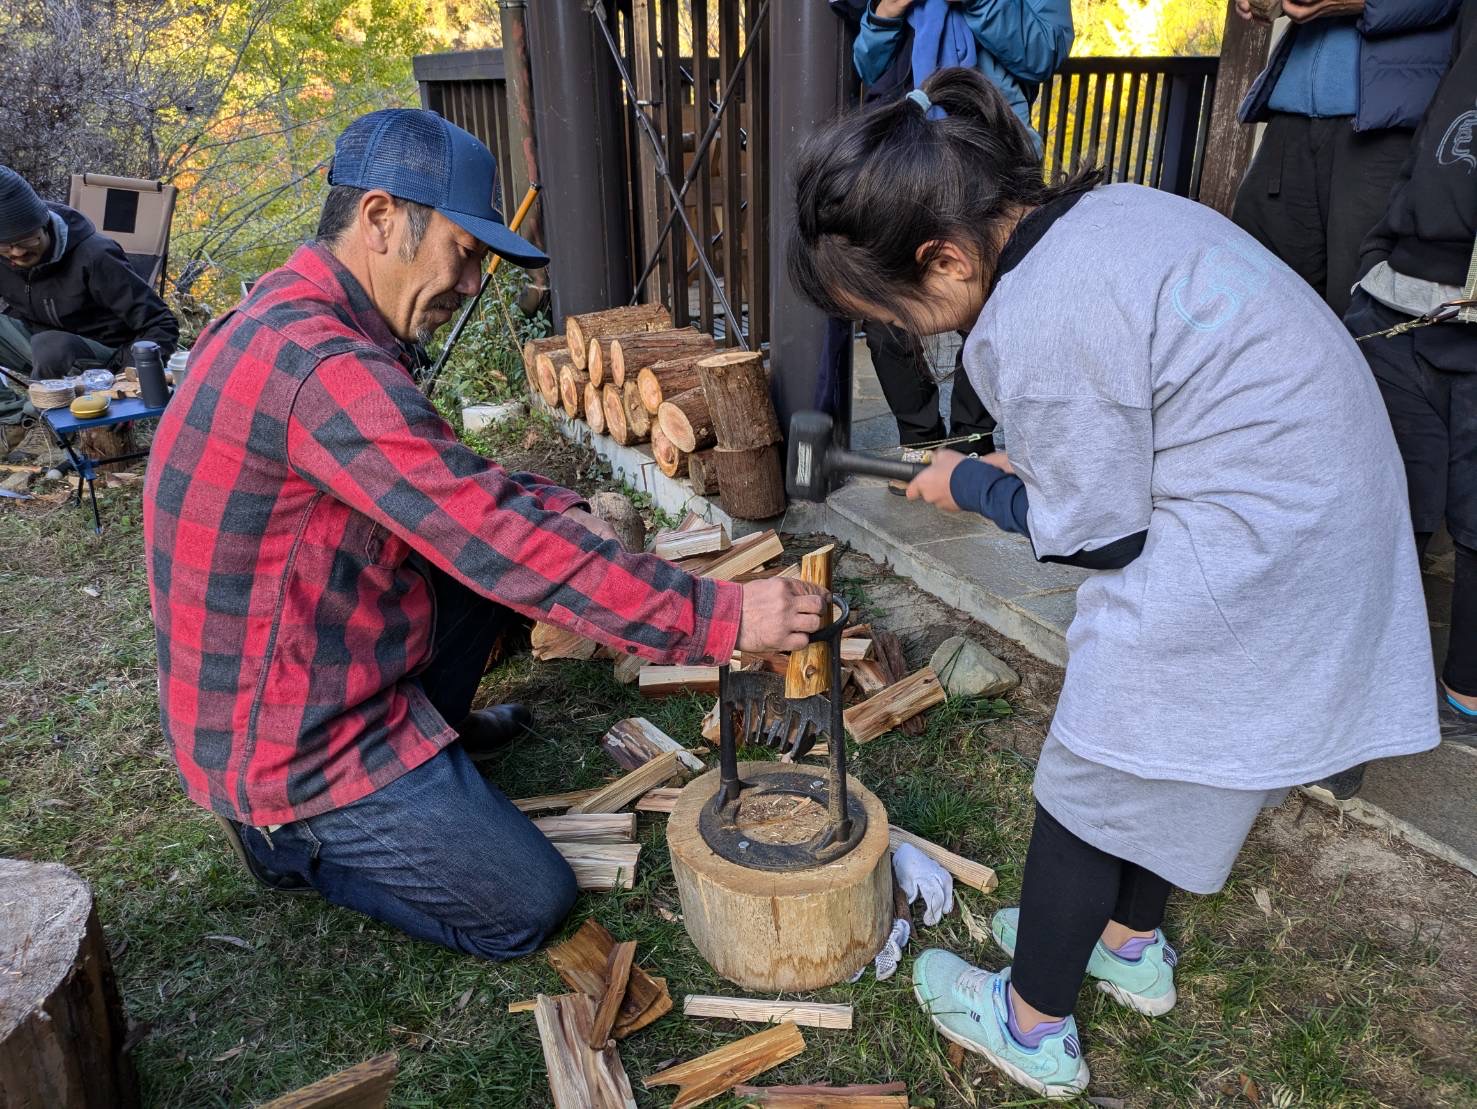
150	369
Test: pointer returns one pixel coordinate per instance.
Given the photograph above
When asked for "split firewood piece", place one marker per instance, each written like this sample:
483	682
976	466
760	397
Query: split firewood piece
546	368
615	415
857	631
886	710
971	873
776	662
750	481
745	555
594	407
638	421
669	460
579	1078
617	976
663	799
635	742
625	789
869	675
856	650
704	1078
702	473
365	1085
601	867
665	379
580	329
737	389
889	648
711	729
551	643
664	681
809	671
628	668
686	420
630	354
708	539
581	961
572	382
613	827
553	802
525	1006
889	1095
808	1013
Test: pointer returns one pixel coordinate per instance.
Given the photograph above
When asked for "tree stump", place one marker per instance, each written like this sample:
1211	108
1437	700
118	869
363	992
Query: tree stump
751	482
782	931
737	389
61	1020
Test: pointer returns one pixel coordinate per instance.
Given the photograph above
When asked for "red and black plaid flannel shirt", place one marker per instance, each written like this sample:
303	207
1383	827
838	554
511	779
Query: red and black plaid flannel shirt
292	476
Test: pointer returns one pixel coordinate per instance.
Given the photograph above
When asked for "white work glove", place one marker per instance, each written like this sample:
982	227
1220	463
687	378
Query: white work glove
919	876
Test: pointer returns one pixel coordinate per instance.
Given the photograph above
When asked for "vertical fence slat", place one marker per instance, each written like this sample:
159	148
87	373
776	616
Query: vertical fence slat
673	94
1202	132
1095	134
1063	110
756	210
1146	115
1043	122
702	90
1161	127
1115	107
1129	131
1079	112
732	182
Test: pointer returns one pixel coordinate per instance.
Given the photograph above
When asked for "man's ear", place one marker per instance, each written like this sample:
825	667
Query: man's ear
377	220
946	259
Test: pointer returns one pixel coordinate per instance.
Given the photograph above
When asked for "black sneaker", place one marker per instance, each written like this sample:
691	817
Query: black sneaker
268	879
1345	783
1456	725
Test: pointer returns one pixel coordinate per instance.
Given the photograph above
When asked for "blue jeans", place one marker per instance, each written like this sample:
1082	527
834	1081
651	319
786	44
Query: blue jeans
439	853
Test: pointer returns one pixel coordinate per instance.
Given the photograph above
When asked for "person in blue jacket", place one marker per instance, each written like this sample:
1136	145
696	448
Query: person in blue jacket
1342	94
899	45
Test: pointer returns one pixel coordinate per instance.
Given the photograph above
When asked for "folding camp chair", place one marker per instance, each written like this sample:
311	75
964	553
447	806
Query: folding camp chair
135	214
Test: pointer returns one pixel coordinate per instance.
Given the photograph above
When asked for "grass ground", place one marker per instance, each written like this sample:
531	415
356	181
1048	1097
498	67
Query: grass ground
1336	968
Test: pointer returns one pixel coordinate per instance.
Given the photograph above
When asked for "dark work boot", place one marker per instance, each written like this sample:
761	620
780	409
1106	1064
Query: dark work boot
491	729
269	879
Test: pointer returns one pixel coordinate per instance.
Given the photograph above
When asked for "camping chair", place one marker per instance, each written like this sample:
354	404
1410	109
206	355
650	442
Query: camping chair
135	214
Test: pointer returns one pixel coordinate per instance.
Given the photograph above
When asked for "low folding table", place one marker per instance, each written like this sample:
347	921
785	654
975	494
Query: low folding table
65	427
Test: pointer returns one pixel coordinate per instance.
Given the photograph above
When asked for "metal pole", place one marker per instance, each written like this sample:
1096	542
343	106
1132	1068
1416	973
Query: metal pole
581	150
808	53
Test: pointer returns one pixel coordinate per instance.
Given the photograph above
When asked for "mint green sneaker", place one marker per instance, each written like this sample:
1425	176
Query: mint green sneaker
972	1007
1144	983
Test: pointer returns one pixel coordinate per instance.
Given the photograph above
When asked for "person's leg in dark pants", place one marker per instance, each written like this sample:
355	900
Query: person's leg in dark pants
967	413
1362	169
1069	894
911	394
1452	350
1280	201
439	854
56	354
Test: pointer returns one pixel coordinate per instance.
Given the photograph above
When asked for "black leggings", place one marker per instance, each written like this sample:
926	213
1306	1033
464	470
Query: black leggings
1069	893
1460	671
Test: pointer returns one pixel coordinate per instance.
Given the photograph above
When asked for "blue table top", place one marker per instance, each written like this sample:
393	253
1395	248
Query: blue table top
120	411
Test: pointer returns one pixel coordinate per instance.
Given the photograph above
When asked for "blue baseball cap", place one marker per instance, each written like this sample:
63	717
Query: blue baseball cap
417	155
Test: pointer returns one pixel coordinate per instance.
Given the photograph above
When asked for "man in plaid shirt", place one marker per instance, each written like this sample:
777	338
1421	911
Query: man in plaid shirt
330	568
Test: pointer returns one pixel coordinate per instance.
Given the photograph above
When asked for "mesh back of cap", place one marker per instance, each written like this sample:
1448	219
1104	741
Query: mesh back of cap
401	150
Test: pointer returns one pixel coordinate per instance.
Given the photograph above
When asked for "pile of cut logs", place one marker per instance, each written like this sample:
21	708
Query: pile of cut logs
629	374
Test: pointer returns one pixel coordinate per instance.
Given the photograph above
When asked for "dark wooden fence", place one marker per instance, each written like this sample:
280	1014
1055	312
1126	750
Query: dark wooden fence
469	88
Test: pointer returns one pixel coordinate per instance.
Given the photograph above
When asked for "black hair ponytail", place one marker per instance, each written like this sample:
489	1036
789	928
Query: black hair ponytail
873	186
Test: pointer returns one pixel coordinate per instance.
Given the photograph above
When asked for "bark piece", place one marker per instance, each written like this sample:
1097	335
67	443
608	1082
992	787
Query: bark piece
737	389
579	1078
686	421
751	482
811	1014
617	976
365	1085
971	873
615	827
581	961
809	671
581	328
630	354
886	710
635	742
704	1078
625	789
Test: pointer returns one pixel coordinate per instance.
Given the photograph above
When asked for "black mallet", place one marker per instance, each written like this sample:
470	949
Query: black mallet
816	462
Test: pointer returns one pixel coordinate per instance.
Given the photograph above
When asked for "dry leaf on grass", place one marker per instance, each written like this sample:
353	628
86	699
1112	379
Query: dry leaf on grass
1263	900
977	931
1242	1085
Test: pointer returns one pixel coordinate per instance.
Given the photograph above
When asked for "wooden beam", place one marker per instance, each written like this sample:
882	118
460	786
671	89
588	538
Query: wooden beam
1228	141
894	705
706	1077
579	1078
972	874
616	827
625	789
617	975
635	742
809	1013
365	1085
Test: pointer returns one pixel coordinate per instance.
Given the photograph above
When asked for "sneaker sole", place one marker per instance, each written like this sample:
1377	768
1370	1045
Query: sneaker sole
1009	1069
1147	1006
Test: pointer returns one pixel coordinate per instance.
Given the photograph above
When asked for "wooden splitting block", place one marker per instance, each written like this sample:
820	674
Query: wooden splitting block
704	1078
579	1078
617	976
895	704
553	802
365	1085
615	827
890	1095
581	962
972	874
635	742
809	1013
663	681
621	792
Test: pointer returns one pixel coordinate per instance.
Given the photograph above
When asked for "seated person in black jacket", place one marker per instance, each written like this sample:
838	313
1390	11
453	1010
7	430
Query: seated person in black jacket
69	299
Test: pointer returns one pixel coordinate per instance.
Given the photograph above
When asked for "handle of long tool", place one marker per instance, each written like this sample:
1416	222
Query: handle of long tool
528	198
853	462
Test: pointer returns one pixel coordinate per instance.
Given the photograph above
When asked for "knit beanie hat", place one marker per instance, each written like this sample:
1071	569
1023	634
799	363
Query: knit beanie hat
21	210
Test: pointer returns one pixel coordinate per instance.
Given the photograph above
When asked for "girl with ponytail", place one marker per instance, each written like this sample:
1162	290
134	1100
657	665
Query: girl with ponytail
1177	407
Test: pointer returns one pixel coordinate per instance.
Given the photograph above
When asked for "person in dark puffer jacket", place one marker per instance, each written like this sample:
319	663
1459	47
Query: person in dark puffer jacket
68	296
1343	91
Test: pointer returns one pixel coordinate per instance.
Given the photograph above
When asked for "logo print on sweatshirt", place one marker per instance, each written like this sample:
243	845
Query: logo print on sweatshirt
1459	144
